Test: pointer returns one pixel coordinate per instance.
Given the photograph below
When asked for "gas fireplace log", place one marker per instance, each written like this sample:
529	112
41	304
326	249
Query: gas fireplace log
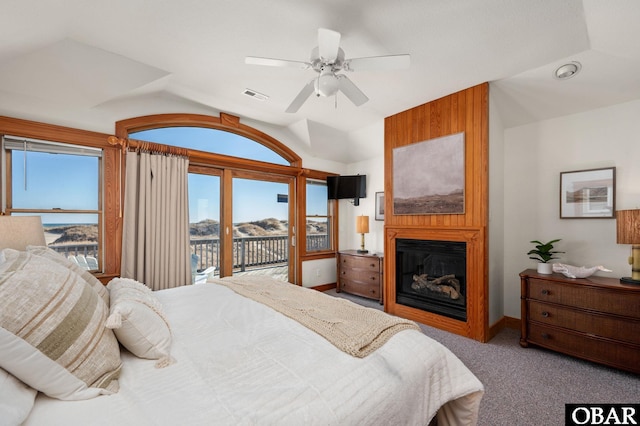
447	284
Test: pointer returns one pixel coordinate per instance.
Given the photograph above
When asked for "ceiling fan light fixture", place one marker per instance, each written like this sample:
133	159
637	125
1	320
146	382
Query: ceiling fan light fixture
567	71
326	84
328	59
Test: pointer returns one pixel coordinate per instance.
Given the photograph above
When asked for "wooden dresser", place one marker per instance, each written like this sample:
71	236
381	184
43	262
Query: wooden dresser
595	318
360	274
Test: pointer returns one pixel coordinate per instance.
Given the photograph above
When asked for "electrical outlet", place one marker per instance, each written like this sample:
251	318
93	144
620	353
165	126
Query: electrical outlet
317	272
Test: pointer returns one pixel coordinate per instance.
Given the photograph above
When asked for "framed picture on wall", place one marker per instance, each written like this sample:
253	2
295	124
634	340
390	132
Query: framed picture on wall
588	194
379	206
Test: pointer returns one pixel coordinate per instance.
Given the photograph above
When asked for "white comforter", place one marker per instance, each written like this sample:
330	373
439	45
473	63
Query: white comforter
241	363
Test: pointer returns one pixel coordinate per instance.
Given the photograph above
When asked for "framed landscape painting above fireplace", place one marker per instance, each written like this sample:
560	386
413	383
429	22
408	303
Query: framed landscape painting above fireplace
428	177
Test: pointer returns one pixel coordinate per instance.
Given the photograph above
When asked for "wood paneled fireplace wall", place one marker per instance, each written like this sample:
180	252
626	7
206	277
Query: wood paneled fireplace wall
465	111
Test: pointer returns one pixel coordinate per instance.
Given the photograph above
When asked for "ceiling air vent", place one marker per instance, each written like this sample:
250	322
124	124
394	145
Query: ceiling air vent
256	95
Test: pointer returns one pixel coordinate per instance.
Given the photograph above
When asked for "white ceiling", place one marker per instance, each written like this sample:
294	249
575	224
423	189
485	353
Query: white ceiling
88	64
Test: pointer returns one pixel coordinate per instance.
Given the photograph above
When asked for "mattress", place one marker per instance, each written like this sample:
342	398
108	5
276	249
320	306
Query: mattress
238	362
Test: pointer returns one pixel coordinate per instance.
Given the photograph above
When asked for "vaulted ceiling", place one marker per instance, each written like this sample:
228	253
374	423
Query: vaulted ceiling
88	64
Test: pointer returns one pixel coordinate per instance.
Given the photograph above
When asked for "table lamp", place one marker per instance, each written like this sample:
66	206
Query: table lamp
362	227
628	232
18	232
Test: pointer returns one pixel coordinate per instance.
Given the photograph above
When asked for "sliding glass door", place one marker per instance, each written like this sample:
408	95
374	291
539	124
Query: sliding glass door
239	223
261	214
204	222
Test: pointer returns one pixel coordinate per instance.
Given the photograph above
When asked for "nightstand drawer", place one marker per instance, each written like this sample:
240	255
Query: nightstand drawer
360	289
585	322
360	275
586	297
360	262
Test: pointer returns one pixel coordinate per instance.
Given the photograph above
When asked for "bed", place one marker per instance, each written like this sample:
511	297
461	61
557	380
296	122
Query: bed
231	359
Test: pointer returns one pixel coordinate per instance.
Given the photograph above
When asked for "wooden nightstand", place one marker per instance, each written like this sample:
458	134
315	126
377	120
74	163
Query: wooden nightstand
595	318
360	274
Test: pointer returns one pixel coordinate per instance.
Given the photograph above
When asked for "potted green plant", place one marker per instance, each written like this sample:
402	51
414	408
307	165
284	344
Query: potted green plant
543	253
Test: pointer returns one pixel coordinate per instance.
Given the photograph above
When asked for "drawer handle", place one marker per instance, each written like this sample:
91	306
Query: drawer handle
546	336
545	292
545	314
372	265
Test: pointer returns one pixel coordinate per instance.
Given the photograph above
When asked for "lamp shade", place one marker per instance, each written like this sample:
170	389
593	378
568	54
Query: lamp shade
18	232
628	226
362	224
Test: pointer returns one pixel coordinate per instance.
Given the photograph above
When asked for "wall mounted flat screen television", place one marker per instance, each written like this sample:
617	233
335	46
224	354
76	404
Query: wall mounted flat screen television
347	187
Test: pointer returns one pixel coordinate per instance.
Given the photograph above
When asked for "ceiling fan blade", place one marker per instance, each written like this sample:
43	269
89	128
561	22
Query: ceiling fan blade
350	90
328	44
253	60
306	91
378	63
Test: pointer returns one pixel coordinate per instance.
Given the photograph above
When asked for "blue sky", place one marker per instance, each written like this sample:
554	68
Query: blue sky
70	182
55	181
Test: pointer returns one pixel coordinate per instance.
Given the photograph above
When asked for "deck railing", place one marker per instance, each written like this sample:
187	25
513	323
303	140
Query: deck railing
248	252
84	249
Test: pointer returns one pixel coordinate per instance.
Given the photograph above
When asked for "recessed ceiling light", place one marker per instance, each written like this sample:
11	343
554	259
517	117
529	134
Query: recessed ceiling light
254	94
567	70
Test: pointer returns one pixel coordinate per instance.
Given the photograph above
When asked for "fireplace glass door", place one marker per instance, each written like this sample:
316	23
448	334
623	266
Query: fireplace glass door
431	275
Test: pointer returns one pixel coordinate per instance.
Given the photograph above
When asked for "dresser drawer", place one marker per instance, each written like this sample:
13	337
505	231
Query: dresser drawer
583	296
585	322
612	353
360	262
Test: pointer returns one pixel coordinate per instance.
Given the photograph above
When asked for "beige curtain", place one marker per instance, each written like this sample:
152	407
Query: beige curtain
155	238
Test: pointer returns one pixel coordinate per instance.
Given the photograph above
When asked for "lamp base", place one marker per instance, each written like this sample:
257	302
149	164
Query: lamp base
367	251
629	280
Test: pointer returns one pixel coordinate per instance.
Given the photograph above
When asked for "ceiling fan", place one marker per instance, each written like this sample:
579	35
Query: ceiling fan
327	59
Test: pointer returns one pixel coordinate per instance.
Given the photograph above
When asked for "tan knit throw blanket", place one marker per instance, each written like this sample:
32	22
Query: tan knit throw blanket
353	329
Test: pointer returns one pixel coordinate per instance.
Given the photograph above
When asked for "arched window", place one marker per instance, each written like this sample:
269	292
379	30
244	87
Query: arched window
224	135
243	184
211	140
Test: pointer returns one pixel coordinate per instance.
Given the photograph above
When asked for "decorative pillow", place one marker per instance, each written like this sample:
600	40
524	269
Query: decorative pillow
61	260
16	399
138	321
52	329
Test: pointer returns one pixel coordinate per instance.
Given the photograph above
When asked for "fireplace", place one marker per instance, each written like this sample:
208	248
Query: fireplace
431	276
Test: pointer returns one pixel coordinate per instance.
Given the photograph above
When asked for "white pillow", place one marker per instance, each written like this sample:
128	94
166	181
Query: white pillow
16	399
52	329
137	319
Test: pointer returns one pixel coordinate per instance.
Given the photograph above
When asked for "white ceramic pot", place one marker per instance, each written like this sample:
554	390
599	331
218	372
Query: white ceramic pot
545	268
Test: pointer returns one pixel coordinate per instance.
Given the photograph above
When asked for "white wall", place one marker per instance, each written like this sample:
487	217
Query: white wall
370	140
534	156
496	214
318	272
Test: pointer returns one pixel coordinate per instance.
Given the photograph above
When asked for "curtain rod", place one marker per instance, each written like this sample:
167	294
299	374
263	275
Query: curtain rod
137	145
